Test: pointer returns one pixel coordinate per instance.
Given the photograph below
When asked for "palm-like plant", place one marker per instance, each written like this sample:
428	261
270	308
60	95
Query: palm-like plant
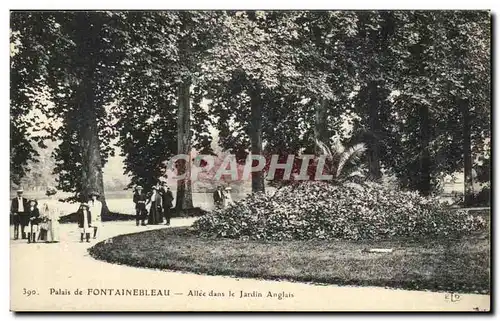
343	162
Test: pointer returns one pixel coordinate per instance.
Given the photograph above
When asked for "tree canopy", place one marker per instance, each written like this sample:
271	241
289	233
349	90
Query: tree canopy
412	86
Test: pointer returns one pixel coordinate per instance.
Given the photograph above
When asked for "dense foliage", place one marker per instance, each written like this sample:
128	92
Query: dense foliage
71	59
413	86
22	70
319	210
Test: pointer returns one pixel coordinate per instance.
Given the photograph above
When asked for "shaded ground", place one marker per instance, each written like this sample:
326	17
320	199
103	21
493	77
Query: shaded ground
459	265
193	212
68	265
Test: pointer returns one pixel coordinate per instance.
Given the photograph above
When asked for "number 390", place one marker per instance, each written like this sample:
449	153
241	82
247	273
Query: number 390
28	292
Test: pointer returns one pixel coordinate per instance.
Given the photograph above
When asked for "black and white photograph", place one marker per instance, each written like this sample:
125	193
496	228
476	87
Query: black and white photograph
250	160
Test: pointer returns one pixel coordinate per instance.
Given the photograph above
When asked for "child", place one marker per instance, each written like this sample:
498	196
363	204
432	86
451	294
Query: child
84	221
44	224
34	220
96	211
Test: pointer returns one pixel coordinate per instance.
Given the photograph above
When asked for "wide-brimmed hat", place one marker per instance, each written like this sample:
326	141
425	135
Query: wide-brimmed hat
138	187
84	204
95	193
20	190
34	201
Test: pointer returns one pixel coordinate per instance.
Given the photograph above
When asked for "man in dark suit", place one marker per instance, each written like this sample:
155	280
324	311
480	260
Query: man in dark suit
140	206
218	197
167	199
19	211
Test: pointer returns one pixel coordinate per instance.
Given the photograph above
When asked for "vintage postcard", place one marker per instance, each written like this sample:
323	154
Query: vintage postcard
250	160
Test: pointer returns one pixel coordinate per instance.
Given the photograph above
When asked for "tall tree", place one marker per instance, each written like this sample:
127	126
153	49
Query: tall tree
418	106
165	87
374	42
249	62
431	67
23	76
327	60
470	83
78	53
282	87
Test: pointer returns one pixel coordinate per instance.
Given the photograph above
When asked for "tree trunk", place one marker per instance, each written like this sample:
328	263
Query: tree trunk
424	185
256	136
468	180
184	199
92	179
320	123
374	125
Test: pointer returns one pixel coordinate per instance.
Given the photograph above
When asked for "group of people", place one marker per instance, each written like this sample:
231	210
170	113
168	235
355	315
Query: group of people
36	224
222	197
33	224
155	207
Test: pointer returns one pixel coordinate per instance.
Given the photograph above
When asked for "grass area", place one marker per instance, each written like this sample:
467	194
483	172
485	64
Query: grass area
459	265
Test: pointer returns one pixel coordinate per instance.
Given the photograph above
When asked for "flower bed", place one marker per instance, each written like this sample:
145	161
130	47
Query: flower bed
319	210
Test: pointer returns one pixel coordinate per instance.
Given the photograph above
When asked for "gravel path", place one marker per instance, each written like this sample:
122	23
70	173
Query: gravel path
55	273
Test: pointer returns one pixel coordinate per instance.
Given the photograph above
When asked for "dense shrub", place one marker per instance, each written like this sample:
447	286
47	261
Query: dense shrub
319	210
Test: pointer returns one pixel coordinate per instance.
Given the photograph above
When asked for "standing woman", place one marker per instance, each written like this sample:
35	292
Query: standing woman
228	200
84	221
34	219
51	212
43	226
96	210
155	211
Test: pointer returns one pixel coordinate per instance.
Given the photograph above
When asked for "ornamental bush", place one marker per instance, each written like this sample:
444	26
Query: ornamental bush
320	210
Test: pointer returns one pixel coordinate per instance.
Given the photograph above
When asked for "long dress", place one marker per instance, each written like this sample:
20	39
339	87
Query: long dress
155	214
228	200
96	212
52	213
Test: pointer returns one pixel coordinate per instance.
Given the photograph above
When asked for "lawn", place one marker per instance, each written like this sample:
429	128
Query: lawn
459	265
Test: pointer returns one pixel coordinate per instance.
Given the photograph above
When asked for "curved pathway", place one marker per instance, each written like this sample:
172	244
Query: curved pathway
57	272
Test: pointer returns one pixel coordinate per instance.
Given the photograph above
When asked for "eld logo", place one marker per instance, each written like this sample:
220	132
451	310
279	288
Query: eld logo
452	297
